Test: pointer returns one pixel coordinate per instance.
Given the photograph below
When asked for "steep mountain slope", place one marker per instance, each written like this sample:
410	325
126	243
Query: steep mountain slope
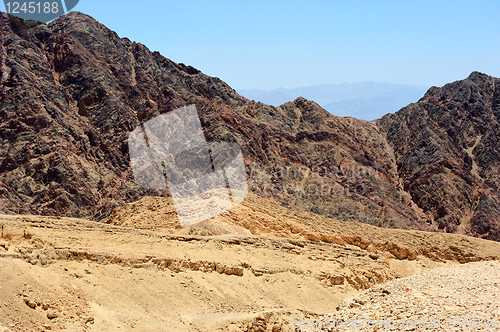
448	154
72	91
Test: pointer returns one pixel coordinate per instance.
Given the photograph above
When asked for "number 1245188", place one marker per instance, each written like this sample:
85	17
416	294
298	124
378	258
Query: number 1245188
32	7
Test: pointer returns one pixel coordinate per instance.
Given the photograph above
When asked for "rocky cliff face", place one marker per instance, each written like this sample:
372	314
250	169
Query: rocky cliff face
72	91
448	157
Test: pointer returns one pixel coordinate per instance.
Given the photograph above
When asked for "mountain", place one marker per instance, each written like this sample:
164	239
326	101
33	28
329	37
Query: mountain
365	101
72	91
447	152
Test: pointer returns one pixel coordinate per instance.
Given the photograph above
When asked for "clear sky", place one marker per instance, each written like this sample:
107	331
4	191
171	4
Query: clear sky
274	43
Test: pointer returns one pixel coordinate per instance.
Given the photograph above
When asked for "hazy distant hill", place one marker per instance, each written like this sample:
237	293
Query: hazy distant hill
366	101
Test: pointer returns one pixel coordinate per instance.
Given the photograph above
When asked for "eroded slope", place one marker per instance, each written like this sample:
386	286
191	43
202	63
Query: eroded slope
257	266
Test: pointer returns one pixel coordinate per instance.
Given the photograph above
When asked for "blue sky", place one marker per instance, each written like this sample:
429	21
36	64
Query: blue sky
270	44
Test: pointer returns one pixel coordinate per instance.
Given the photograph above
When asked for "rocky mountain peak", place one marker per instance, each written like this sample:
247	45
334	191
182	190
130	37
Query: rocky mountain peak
450	158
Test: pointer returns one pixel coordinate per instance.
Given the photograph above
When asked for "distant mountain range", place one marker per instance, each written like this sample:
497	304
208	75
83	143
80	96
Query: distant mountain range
366	101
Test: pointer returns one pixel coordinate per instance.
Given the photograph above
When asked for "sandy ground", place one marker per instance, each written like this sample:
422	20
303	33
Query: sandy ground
255	268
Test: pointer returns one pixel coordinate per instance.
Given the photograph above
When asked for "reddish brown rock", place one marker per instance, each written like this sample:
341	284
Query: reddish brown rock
448	156
72	91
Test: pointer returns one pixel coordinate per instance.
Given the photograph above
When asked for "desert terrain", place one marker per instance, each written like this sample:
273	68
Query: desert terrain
84	247
258	267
